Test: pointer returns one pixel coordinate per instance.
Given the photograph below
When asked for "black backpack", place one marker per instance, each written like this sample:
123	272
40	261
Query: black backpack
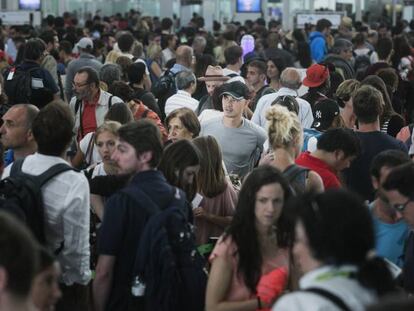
163	89
296	176
169	273
19	88
21	195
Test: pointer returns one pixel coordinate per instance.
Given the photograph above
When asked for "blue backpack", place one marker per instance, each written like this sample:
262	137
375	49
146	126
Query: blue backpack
169	274
309	134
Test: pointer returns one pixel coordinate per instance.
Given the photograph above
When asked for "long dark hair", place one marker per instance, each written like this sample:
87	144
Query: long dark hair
340	231
175	159
243	229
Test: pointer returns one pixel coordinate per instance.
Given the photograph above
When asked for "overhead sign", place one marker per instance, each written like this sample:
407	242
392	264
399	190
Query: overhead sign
19	18
303	18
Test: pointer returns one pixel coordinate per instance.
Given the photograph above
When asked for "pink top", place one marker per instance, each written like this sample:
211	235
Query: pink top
221	205
238	290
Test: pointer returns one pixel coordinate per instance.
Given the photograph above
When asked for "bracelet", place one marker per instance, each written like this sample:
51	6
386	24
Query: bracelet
259	303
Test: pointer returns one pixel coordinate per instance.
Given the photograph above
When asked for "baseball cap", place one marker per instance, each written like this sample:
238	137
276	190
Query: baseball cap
238	90
325	112
316	75
85	43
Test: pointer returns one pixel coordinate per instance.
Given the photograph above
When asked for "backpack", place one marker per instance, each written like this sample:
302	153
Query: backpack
296	176
18	87
163	89
361	64
310	139
21	195
169	273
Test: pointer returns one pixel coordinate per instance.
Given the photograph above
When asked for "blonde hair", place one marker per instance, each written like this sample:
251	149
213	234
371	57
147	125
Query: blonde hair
347	88
112	57
283	126
154	51
108	126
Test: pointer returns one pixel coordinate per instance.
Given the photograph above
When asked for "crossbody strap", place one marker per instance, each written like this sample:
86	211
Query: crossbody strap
328	296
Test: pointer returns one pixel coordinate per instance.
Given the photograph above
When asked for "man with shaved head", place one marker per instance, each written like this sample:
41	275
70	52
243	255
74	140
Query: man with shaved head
183	59
290	82
16	131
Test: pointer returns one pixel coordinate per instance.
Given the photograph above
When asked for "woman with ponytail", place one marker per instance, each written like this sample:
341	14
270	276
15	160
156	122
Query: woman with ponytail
334	242
286	139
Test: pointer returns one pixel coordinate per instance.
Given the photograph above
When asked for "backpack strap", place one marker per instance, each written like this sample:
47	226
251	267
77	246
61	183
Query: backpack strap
329	296
110	101
89	150
143	200
16	167
52	172
292	171
77	105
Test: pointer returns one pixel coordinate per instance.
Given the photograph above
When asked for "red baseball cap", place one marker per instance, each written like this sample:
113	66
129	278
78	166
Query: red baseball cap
316	75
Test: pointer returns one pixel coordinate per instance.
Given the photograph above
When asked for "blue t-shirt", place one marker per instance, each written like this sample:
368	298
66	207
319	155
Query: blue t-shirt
8	157
390	239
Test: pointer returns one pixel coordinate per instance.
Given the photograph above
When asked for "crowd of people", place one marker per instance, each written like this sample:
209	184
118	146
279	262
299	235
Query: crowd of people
158	167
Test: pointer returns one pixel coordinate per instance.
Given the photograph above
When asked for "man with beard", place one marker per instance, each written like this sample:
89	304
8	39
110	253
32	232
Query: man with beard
391	231
90	103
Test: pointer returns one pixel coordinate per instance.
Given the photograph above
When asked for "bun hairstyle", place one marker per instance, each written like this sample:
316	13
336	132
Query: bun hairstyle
283	126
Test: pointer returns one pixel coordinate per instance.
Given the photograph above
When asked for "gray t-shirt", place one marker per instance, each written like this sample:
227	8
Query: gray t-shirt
241	147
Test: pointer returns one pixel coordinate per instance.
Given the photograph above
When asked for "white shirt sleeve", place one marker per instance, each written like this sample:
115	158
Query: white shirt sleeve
76	251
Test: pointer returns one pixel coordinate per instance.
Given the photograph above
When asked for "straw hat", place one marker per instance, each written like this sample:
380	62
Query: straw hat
214	73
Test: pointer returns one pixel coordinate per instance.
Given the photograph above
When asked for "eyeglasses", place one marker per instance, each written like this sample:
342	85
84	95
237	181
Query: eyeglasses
401	207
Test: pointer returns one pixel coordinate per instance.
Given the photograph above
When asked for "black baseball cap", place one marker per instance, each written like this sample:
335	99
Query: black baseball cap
325	112
236	89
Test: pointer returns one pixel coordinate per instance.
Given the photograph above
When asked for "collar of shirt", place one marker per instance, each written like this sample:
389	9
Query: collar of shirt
183	93
321	163
325	273
286	91
95	101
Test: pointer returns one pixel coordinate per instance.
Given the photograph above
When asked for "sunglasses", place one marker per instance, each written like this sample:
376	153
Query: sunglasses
401	207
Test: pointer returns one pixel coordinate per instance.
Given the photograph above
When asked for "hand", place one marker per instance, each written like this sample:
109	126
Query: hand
199	212
133	106
266	159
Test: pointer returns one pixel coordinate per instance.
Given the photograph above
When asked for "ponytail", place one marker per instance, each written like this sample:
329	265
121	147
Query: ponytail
375	274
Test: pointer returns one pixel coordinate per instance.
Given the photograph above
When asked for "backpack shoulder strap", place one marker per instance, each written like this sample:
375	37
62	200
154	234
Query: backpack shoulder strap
52	172
16	167
329	296
110	101
77	105
142	199
89	150
294	170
